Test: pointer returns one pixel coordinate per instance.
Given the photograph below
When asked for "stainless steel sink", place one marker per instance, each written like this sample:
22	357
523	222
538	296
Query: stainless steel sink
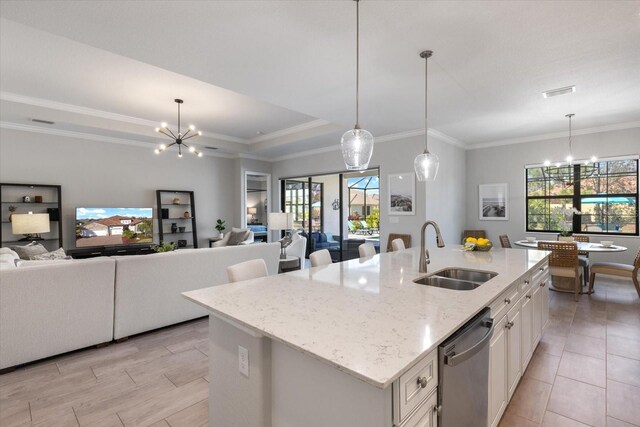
444	282
464	274
459	279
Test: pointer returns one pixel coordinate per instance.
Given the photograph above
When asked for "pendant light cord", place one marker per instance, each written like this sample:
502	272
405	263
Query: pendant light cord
426	55
179	119
357	126
570	154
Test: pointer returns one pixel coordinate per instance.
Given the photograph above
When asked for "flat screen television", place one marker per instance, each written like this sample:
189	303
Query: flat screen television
113	226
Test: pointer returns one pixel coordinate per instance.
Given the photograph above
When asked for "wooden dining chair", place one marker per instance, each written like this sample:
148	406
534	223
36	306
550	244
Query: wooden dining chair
583	256
504	241
247	270
406	238
563	262
397	245
616	269
366	250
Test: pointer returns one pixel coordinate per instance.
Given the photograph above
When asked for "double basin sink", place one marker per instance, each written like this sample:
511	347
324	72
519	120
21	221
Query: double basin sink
459	279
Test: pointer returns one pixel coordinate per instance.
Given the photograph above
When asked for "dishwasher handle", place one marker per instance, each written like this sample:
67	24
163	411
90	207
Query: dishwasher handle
456	359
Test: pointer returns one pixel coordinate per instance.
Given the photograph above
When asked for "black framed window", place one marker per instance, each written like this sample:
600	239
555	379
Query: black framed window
605	193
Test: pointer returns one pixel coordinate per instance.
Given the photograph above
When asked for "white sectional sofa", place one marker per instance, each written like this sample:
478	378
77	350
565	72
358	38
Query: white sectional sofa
52	307
148	288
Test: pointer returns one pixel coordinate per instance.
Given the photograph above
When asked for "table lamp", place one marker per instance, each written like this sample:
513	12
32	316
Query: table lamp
252	211
30	225
282	221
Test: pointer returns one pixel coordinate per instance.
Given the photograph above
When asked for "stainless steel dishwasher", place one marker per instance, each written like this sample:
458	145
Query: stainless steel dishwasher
463	363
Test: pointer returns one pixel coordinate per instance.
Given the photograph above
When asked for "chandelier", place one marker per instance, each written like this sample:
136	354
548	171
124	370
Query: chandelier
180	138
426	164
356	143
565	171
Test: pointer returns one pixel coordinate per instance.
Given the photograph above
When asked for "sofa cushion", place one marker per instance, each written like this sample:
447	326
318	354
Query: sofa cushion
21	263
57	254
8	251
7	261
27	251
237	237
322	238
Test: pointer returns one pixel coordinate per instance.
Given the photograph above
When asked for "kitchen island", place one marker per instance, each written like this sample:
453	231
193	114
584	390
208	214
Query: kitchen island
343	344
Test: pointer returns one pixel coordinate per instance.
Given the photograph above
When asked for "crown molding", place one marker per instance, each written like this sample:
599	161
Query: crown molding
91	137
289	131
555	135
380	139
70	108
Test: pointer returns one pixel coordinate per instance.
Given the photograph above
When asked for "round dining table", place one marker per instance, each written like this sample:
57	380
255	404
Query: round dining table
560	283
582	246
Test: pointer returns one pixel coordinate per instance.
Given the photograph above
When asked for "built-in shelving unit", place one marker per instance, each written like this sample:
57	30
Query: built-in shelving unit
50	196
177	207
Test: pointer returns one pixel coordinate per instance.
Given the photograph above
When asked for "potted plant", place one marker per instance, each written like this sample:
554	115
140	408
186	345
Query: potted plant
165	247
566	224
220	226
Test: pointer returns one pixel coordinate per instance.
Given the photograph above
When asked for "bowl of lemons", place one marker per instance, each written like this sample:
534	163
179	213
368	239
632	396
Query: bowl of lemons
480	244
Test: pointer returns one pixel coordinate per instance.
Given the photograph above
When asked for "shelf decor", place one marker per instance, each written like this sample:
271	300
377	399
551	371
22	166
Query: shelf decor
175	220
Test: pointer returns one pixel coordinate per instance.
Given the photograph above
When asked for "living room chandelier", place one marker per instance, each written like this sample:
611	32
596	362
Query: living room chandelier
563	171
357	143
180	137
426	164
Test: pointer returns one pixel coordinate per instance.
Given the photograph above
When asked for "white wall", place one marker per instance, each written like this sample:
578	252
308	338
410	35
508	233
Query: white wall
442	200
103	174
330	192
506	164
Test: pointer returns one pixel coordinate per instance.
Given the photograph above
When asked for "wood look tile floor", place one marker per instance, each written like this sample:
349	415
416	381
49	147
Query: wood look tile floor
586	369
585	372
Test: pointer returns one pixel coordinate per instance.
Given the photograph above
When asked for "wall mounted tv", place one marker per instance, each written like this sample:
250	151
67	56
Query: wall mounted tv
113	226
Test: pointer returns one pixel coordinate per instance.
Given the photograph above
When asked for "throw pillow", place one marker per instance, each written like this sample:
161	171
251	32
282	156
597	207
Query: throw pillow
237	237
323	238
7	251
57	254
22	263
27	251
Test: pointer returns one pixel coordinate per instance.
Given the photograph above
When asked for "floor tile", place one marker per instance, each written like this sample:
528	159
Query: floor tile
623	330
543	367
623	370
552	419
193	416
612	422
590	328
512	420
166	404
530	399
588	346
129	360
583	368
14	413
552	344
623	347
154	369
623	402
579	401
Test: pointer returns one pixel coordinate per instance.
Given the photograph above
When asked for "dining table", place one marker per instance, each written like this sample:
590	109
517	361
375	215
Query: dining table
564	284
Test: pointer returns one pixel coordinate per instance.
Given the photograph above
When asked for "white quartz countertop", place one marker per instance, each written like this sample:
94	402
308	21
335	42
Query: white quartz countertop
365	316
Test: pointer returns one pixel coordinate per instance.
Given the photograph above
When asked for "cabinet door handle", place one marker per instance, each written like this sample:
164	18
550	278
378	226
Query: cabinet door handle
526	282
541	268
543	284
528	296
507	300
508	325
422	382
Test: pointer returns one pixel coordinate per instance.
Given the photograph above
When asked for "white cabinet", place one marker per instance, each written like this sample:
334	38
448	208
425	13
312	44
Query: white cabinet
536	300
497	372
526	312
425	415
544	286
514	338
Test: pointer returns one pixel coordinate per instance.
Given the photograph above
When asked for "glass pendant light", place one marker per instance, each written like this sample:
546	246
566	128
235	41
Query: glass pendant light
357	144
426	164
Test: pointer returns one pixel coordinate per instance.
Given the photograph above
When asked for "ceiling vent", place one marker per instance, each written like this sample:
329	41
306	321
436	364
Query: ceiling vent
46	122
211	148
557	92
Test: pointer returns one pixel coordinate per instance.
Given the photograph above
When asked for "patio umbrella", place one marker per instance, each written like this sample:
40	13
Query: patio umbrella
604	199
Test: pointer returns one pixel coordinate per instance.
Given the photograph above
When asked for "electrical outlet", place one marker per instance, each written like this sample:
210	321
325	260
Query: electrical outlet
243	361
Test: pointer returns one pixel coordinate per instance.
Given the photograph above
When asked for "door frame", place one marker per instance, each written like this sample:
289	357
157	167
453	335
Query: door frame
243	201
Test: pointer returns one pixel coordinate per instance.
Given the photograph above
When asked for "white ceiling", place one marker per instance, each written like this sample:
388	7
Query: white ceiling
287	68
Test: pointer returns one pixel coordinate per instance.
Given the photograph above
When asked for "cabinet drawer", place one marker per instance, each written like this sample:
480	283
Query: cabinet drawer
525	285
540	274
425	415
412	388
501	305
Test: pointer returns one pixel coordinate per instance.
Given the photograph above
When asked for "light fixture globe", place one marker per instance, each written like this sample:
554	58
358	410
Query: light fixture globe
426	166
357	148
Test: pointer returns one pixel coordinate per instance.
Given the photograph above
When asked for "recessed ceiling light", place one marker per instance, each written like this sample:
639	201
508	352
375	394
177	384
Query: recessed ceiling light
46	122
559	91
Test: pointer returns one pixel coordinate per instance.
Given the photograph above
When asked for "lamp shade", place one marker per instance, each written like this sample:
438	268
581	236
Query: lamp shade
280	221
30	223
252	211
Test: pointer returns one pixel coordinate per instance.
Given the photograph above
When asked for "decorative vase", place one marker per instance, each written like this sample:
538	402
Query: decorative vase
565	238
182	229
176	201
186	215
174	227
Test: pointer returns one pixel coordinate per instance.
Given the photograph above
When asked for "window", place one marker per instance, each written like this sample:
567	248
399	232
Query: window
296	201
605	194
